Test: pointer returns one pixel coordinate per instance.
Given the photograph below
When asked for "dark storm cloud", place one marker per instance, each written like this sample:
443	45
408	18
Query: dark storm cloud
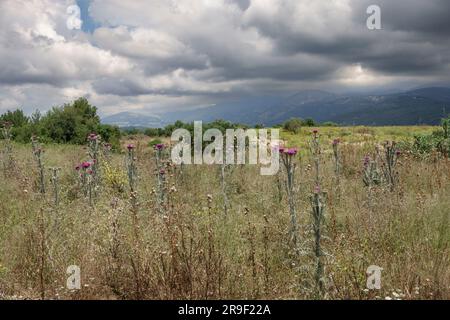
415	38
430	17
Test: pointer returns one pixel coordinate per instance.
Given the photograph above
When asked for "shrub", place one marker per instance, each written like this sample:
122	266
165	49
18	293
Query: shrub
293	125
71	123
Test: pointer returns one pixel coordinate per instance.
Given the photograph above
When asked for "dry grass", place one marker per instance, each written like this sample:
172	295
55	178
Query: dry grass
195	251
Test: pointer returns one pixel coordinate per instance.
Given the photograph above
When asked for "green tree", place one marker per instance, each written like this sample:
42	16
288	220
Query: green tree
293	125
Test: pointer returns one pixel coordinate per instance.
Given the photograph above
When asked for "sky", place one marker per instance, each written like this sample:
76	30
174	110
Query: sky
164	55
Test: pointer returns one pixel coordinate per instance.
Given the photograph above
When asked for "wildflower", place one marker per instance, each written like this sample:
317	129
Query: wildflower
281	149
85	165
317	189
78	167
315	131
92	137
292	151
89	171
366	160
130	147
159	146
336	142
162	172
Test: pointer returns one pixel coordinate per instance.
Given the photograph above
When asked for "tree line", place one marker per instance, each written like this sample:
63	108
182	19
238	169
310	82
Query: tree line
70	123
73	122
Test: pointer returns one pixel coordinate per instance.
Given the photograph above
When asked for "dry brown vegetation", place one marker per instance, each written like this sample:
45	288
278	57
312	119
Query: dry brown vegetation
190	249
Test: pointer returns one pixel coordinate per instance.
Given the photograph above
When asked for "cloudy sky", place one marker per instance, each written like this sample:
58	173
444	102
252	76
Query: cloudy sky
154	55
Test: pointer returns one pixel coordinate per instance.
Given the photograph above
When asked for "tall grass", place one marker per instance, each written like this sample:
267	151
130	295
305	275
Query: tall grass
196	251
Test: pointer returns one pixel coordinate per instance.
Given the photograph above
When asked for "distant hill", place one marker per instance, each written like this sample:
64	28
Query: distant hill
419	106
132	119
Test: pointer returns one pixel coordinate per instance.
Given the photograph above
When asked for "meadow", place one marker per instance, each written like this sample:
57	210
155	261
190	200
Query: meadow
140	227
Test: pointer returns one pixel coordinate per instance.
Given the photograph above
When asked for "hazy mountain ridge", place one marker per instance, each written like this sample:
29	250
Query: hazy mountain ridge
418	106
133	119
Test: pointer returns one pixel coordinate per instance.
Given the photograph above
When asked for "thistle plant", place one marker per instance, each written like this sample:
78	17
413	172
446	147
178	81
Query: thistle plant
389	162
8	161
287	157
55	183
161	177
225	170
107	148
37	153
132	181
371	173
131	167
337	161
318	206
94	144
223	183
85	179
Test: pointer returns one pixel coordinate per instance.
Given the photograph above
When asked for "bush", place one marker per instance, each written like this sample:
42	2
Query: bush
71	123
293	125
437	141
309	122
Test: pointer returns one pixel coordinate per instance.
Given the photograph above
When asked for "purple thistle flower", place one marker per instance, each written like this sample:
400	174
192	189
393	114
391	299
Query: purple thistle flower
130	147
85	165
292	151
159	146
78	167
336	142
366	160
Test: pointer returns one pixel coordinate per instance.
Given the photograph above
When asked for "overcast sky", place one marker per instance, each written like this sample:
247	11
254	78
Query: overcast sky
155	55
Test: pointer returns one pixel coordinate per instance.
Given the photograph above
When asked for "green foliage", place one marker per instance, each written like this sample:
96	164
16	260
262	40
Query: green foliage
154	142
309	122
71	123
154	132
439	141
16	117
293	125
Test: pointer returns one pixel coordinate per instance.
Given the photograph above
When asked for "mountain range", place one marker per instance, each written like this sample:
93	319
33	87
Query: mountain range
419	106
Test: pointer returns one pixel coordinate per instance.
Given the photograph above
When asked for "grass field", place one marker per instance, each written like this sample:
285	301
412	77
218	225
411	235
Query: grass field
197	232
